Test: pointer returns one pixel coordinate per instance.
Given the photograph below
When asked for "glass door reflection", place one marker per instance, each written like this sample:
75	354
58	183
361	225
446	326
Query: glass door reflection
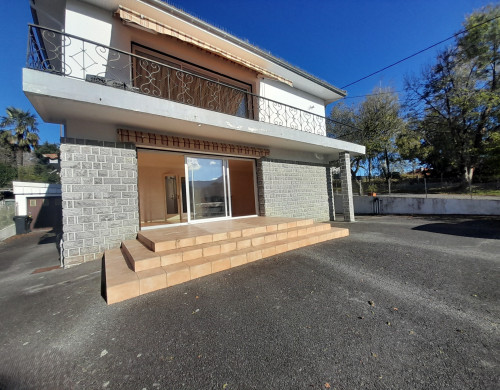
207	188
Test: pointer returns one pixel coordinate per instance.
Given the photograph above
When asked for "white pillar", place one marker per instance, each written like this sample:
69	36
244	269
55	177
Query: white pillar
345	175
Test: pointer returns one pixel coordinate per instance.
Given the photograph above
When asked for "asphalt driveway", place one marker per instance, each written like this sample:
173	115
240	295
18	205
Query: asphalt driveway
403	303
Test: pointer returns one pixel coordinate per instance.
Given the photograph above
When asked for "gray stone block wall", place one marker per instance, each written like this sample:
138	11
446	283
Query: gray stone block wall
293	189
99	196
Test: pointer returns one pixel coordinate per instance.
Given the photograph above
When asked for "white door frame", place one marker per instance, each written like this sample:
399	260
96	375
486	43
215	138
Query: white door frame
227	190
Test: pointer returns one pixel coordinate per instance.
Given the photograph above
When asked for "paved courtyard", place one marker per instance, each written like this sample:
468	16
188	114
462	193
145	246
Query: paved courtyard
403	303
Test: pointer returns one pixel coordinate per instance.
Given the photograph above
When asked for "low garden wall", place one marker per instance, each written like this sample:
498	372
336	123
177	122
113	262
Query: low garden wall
421	205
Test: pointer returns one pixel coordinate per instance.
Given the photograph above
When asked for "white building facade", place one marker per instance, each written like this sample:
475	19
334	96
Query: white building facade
168	120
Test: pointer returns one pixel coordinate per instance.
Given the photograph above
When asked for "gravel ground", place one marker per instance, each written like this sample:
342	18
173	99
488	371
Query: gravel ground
403	303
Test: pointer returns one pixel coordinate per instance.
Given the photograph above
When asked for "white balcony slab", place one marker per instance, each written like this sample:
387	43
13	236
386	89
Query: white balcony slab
59	99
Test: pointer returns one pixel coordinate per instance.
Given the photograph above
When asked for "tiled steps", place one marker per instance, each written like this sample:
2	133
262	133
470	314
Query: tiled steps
141	258
135	269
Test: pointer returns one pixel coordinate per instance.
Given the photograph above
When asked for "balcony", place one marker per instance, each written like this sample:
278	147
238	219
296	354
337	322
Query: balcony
69	56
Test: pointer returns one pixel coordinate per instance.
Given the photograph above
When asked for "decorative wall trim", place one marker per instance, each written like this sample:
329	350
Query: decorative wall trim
92	142
141	138
296	162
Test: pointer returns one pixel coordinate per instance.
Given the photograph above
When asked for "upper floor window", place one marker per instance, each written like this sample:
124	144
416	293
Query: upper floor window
164	76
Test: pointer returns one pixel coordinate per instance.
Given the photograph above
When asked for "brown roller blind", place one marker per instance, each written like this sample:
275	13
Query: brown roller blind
130	16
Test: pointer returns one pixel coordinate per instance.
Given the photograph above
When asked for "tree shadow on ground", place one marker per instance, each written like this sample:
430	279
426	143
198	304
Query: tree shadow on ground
488	228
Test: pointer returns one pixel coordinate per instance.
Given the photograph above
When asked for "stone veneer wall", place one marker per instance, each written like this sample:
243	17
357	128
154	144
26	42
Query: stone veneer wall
294	189
99	196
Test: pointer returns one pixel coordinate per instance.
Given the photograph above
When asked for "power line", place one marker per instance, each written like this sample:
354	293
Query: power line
343	124
370	94
420	51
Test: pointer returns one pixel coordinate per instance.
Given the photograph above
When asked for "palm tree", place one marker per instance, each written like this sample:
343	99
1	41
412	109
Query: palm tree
21	131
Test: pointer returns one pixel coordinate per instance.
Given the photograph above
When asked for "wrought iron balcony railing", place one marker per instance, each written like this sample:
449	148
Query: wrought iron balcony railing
70	56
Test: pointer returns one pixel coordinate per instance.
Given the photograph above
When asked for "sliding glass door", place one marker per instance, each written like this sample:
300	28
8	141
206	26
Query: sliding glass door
207	186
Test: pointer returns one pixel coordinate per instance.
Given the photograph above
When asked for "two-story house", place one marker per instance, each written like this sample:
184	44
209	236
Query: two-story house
171	121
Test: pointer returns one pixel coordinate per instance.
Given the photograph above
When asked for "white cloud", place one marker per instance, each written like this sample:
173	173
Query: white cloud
193	163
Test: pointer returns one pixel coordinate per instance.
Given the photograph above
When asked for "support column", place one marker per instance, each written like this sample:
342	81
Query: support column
345	174
331	199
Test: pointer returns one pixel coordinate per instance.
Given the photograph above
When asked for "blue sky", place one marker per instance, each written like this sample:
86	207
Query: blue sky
338	41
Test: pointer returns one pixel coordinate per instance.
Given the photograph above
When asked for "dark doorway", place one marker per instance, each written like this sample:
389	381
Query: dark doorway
46	212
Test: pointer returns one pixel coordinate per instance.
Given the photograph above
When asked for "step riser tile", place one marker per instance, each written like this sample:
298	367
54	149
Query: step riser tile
219	236
178	277
247	232
192	254
152	283
311	230
283	226
123	291
221	264
302	232
172	258
280	248
243	244
260	230
116	269
145	265
254	256
268	252
164	246
234	234
227	247
238	260
268	238
313	240
280	236
305	222
185	242
203	239
296	244
309	241
258	241
211	250
200	270
138	256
